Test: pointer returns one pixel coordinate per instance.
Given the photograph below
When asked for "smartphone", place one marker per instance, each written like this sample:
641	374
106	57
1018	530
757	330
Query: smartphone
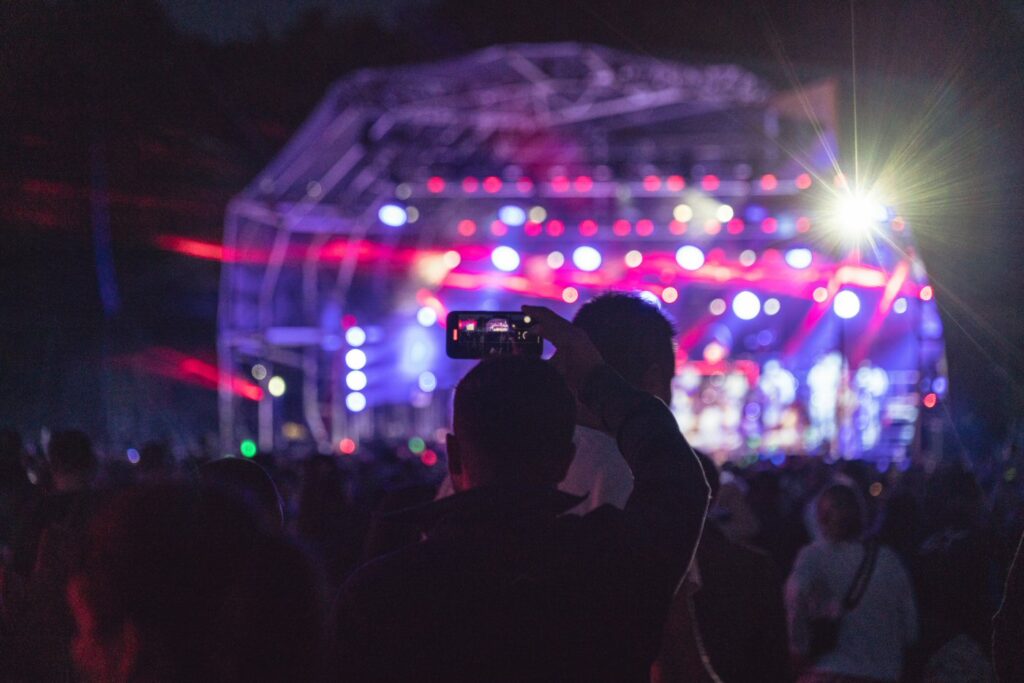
478	334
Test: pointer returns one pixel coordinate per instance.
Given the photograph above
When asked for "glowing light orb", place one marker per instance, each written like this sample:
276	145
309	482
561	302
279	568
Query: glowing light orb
747	257
537	214
669	295
355	359
259	372
857	215
689	257
276	386
512	215
586	258
570	295
717	306
724	213
820	294
427	381
799	258
356	380
247	448
556	260
634	258
682	213
452	259
900	306
392	215
133	456
746	305
771	306
347	446
356	402
426	316
466	228
355	336
846	304
505	259
927	293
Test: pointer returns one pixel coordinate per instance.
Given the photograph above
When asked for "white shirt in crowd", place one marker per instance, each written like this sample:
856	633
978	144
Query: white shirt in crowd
873	636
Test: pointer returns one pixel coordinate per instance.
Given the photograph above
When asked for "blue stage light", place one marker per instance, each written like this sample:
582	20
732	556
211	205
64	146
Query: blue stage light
512	215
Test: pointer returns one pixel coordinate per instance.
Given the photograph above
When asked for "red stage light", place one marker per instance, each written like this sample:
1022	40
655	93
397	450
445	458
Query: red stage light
467	228
803	181
584	183
769	182
712	227
803	224
677	228
524	184
347	446
710	183
560	183
930	400
621	227
435	184
498	229
735	226
470	184
492	184
532	229
769	225
927	293
348	320
588	228
644	227
675	183
652	183
556	227
428	458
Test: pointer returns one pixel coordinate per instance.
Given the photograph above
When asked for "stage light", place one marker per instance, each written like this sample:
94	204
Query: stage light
347	446
403	191
512	215
857	215
930	400
428	458
524	184
900	306
735	226
492	184
652	183
412	213
532	229
247	448
803	181
586	258
427	381
709	183
584	183
621	227
133	456
505	259
644	227
570	295
392	215
498	229
355	359
426	316
452	259
588	228
470	184
846	304
712	227
769	225
435	184
560	183
416	445
769	182
714	352
537	214
259	372
669	295
677	227
675	183
355	336
276	387
927	293
556	228
771	306
355	402
803	224
682	213
747	257
820	294
746	305
556	260
690	257
467	228
799	258
634	258
724	213
356	380
717	306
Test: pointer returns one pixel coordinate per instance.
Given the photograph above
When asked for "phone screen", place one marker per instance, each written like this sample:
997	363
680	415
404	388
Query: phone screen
478	334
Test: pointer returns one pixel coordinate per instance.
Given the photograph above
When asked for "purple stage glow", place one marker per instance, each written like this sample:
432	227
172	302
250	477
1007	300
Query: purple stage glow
411	192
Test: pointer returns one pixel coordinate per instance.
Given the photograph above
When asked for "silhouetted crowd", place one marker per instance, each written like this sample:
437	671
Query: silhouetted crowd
568	533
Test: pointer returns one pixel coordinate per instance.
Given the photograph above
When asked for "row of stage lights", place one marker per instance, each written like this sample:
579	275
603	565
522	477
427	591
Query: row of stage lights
356	360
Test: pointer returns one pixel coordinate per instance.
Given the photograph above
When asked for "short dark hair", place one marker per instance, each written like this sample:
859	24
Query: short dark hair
516	411
848	522
71	452
631	334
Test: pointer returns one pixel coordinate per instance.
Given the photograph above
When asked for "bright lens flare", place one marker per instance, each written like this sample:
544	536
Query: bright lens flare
858	215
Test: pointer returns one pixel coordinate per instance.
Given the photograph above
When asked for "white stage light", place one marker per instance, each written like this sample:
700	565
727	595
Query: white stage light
392	215
276	386
857	215
586	258
690	257
355	336
427	381
799	258
355	359
426	316
846	304
355	402
746	305
771	306
356	380
505	259
511	215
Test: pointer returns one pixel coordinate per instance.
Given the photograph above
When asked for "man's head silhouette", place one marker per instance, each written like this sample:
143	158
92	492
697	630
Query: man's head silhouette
512	425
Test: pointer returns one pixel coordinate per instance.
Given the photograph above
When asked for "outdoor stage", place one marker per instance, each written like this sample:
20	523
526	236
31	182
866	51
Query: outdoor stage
548	174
